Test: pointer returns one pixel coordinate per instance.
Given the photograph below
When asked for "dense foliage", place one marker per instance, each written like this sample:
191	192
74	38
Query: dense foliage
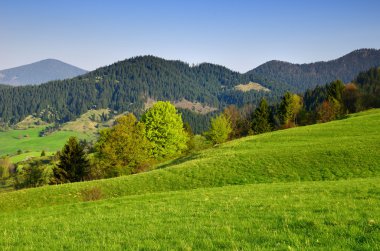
73	164
260	119
220	129
369	85
164	130
123	147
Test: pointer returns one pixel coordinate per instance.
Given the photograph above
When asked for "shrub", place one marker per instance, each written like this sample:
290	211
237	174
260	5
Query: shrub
91	194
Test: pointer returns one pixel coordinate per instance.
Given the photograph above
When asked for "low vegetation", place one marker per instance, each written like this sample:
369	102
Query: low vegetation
308	215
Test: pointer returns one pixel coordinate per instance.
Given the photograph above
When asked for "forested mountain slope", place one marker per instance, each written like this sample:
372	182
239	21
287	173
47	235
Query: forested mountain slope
304	76
127	85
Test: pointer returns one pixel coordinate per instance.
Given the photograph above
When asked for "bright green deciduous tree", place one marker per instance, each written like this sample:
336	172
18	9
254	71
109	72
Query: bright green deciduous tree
220	129
290	107
164	129
296	106
123	147
260	122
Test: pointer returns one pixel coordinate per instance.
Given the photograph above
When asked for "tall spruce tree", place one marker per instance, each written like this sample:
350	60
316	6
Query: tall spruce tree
73	165
260	122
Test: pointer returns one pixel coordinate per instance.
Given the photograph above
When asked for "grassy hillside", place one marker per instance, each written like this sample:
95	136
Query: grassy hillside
26	137
321	191
325	215
337	150
28	140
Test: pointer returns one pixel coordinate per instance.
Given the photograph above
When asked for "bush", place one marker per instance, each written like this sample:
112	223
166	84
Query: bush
91	194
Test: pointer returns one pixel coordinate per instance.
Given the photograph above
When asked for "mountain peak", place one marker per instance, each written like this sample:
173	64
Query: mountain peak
39	72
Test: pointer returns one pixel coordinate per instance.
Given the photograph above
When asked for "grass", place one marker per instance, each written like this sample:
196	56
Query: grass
26	138
86	124
283	216
338	150
320	189
24	156
29	140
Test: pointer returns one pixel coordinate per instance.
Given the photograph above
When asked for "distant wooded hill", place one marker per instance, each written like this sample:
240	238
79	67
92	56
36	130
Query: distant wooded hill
39	72
127	85
305	76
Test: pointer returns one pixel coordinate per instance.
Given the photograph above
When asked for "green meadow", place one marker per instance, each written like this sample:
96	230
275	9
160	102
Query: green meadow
28	140
312	187
283	216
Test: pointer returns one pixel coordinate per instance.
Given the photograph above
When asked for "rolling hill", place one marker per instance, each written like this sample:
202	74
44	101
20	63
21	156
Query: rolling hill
319	190
331	151
39	72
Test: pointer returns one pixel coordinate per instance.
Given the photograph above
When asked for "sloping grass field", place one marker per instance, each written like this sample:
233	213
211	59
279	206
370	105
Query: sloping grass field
28	140
299	215
320	190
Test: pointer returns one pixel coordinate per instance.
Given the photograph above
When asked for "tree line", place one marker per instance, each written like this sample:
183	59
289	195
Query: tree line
135	145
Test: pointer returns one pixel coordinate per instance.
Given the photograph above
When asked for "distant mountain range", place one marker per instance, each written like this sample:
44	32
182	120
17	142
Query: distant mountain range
128	86
39	72
303	76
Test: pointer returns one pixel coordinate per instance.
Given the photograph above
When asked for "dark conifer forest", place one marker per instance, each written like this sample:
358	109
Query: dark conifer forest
127	85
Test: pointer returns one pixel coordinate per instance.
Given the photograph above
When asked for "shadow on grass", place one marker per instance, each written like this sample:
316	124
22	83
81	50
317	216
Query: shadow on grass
179	160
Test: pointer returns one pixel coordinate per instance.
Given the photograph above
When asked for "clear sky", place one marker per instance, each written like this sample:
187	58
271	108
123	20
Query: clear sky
239	34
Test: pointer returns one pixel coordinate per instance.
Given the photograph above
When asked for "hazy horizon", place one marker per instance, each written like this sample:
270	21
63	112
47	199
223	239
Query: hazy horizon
239	35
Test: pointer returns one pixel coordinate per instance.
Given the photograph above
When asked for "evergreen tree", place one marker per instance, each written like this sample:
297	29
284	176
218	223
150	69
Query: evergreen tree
260	122
335	93
335	90
73	164
164	129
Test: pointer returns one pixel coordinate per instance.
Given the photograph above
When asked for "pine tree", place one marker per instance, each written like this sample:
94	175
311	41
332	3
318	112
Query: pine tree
260	122
73	164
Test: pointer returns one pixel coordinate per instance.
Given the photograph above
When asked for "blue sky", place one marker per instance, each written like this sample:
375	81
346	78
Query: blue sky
238	34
